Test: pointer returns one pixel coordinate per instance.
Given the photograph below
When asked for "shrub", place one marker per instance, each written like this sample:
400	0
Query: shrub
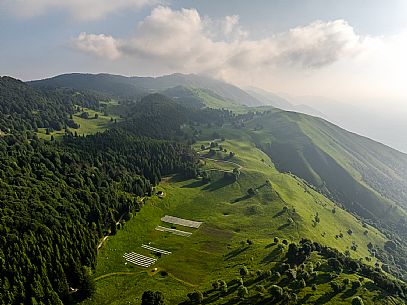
195	297
243	271
260	288
152	298
356	285
276	291
335	287
357	301
242	292
335	264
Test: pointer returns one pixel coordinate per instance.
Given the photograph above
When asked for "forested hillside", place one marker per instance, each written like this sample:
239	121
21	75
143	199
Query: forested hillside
24	108
136	87
57	199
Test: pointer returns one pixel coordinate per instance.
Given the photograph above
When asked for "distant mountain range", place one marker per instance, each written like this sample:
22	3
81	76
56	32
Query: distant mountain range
133	87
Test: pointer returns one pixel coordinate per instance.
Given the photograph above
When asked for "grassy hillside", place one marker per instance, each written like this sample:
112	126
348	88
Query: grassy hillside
366	177
287	209
87	126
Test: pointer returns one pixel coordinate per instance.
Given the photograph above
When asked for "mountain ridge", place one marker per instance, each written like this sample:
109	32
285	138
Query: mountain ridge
136	86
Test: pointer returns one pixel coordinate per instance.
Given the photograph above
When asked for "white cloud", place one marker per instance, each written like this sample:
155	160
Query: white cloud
184	41
101	45
79	9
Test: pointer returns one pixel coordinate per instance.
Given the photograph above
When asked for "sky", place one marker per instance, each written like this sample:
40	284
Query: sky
352	51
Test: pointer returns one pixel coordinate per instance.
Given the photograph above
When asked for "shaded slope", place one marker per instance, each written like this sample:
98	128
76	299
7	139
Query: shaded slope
292	150
113	85
24	108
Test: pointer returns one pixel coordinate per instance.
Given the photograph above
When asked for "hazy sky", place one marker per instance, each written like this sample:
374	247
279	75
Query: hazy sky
348	49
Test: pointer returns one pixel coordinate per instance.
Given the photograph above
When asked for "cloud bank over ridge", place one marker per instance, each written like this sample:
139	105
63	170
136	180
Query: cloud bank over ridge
185	41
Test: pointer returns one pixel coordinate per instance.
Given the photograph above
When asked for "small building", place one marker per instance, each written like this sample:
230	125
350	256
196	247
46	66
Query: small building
160	194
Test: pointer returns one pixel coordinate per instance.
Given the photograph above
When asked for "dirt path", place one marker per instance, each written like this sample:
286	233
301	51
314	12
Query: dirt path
102	241
104	238
117	273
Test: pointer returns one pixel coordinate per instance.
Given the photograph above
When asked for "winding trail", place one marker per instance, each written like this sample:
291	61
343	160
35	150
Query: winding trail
117	273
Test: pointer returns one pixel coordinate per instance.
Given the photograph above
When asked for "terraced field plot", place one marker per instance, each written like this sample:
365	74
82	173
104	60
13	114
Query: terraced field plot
181	222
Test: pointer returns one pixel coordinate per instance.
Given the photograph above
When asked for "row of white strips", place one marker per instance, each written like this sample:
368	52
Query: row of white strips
146	265
173	231
139	259
139	263
181	221
156	250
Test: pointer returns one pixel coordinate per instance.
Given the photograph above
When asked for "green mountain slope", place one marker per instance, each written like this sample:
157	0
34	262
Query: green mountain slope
198	97
326	156
366	177
284	207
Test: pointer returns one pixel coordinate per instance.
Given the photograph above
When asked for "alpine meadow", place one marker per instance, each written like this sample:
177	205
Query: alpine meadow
216	178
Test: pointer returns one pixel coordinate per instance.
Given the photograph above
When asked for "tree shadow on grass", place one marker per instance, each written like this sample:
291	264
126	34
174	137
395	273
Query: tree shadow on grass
279	214
305	298
218	184
270	245
322	279
283	226
241	198
210	299
194	184
271	256
235	253
325	298
348	293
372	287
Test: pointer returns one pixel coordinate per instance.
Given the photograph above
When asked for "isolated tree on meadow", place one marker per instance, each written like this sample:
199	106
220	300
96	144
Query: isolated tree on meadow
196	297
276	291
251	191
152	298
357	301
244	271
242	292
